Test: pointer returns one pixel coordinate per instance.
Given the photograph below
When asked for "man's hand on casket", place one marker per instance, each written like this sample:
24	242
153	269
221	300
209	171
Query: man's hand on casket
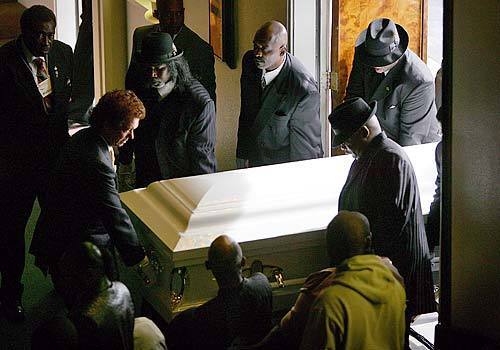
147	272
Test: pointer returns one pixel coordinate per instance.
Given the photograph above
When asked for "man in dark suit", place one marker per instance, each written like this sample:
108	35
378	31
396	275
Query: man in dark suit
197	52
82	200
279	117
386	71
382	185
35	85
177	138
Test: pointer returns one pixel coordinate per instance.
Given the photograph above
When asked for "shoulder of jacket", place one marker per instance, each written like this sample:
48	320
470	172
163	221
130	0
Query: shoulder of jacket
8	52
60	47
198	93
191	36
299	76
416	71
144	29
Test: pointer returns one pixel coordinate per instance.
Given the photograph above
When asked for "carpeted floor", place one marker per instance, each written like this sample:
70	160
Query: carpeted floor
38	298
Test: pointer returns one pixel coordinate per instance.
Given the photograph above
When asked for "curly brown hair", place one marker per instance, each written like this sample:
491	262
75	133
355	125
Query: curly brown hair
117	108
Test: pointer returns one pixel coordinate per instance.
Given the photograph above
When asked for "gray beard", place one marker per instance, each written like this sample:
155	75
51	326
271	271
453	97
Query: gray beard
165	89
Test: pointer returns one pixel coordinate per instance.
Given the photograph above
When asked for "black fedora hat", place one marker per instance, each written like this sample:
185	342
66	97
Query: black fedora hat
158	48
382	43
348	117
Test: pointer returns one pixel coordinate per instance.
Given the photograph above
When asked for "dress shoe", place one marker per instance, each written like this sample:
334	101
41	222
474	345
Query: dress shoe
14	311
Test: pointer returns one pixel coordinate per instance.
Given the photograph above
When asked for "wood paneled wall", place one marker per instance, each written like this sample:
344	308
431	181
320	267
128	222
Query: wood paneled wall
351	17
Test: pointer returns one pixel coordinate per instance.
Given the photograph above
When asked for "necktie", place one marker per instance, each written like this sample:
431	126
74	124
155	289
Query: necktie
41	75
263	82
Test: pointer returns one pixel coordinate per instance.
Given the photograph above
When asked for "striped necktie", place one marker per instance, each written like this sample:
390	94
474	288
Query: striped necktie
263	82
41	75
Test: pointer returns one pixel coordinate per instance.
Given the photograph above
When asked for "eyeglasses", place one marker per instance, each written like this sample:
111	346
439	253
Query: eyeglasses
43	35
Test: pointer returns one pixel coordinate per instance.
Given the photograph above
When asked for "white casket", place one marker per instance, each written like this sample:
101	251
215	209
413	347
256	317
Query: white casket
278	214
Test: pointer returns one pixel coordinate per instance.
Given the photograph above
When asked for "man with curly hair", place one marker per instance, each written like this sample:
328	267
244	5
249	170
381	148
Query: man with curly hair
83	202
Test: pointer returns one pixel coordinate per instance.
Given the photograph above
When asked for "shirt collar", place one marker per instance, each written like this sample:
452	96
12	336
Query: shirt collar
270	76
158	29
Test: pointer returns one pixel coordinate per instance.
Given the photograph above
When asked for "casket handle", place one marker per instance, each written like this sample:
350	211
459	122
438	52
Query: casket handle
276	272
177	295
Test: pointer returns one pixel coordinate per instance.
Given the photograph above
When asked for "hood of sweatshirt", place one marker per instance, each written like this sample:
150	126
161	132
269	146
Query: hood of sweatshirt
369	276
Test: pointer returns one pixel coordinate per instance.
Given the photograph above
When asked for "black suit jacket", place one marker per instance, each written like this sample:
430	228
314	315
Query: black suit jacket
382	185
83	204
197	52
405	98
281	123
177	137
29	137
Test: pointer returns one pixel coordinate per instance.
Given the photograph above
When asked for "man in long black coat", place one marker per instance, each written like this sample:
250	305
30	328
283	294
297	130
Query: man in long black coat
382	185
177	138
35	85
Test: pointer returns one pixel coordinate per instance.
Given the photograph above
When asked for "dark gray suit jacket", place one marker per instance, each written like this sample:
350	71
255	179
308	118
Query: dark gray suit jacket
83	204
197	52
281	123
405	98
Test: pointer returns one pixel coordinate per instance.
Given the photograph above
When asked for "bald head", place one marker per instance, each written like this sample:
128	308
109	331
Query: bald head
224	251
347	235
225	259
269	45
170	13
274	31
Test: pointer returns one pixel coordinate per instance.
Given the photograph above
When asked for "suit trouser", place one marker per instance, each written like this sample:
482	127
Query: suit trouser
17	196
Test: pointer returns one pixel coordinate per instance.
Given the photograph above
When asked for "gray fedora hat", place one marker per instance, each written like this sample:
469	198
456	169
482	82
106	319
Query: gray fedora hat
158	48
382	43
348	117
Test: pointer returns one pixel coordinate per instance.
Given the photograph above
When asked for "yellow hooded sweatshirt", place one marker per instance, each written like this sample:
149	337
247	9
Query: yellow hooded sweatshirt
364	308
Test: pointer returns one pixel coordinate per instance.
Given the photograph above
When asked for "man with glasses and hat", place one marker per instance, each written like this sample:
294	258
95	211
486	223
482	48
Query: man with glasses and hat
35	85
382	186
387	71
177	138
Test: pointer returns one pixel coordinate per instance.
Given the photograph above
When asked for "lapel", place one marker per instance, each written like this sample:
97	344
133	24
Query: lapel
24	76
386	87
107	156
274	97
54	70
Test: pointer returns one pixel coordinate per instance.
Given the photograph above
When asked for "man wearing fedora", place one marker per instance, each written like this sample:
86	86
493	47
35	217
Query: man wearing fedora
382	185
387	71
177	138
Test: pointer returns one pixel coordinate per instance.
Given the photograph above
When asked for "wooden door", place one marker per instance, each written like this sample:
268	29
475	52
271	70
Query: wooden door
351	17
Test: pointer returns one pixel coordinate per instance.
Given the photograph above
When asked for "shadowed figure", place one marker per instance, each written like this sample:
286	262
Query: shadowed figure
240	314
